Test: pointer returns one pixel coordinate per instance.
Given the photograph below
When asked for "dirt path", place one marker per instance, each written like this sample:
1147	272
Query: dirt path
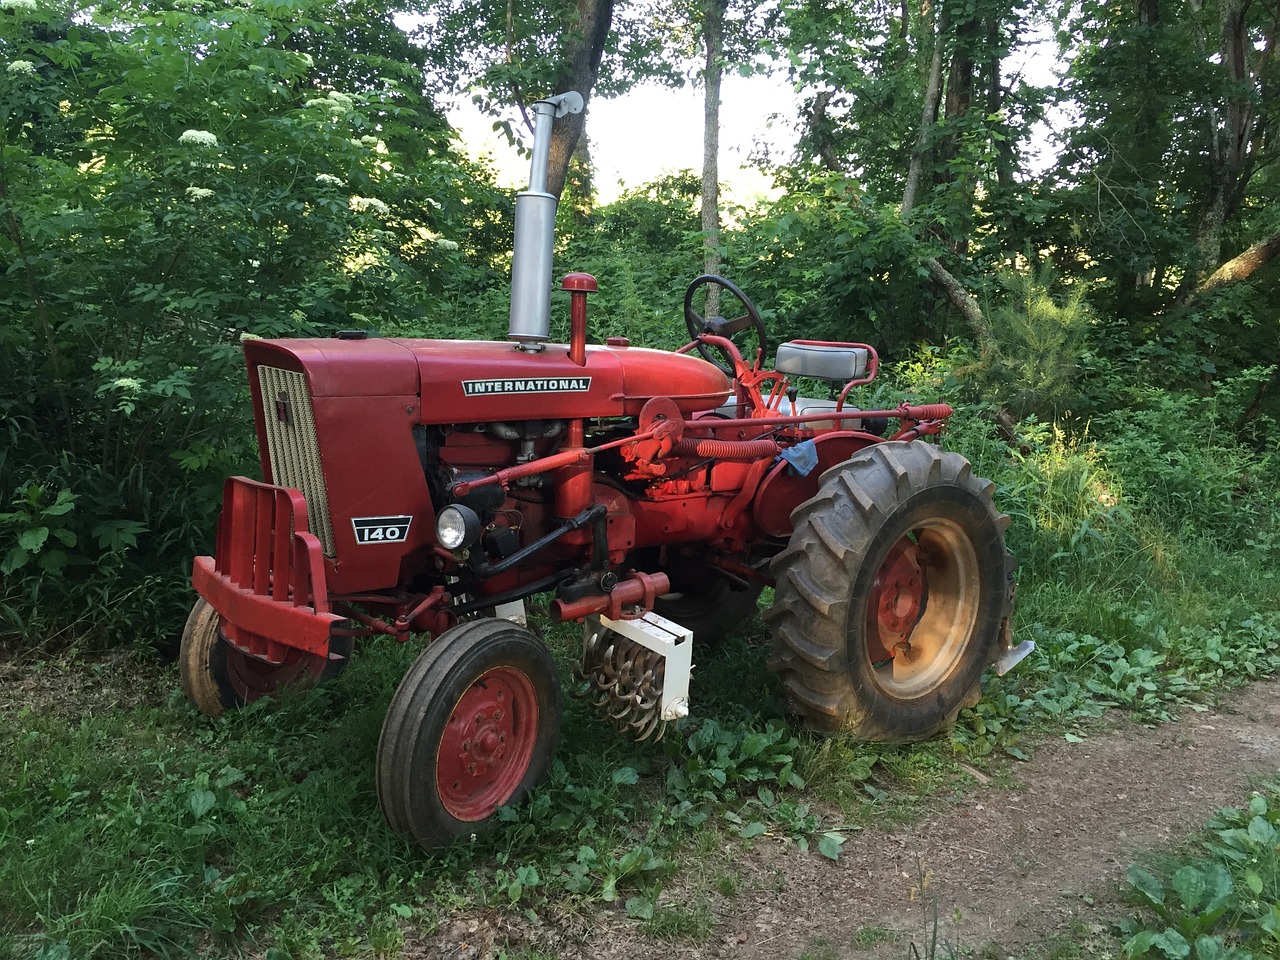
1009	866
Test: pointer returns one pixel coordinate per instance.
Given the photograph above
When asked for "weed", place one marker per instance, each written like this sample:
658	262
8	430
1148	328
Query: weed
728	884
872	934
1222	903
690	923
819	949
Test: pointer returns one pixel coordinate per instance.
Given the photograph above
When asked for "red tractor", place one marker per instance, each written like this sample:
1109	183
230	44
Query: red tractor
434	485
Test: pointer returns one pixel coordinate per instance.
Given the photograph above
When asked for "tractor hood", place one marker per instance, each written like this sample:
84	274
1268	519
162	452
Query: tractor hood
469	382
465	381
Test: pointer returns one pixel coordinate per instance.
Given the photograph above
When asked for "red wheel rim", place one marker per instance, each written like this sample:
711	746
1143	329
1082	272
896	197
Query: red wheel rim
923	610
487	744
253	679
897	599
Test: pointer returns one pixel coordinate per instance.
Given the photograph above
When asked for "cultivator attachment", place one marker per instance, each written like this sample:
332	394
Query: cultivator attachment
637	672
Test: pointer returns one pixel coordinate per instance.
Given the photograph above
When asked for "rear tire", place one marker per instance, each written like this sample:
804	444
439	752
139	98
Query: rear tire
472	727
891	593
216	677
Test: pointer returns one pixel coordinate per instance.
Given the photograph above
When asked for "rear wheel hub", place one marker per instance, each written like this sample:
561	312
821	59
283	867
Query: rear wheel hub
897	601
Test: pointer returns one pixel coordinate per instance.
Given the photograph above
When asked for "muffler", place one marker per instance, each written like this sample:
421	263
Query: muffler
536	233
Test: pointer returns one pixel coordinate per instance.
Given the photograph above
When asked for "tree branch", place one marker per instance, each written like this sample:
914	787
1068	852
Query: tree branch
1241	266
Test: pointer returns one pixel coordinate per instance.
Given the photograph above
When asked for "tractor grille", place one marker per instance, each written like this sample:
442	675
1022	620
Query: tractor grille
292	445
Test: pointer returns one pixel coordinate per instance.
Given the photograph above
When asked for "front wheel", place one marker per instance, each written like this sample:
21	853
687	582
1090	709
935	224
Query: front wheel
472	727
891	593
217	677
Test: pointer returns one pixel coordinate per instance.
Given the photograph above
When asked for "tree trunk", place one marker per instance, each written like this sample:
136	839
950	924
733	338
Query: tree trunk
713	42
951	287
961	299
582	56
1255	407
1006	161
1235	137
929	114
819	136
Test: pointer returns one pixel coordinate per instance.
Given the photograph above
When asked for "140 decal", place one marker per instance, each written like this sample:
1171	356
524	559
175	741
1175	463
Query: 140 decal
381	529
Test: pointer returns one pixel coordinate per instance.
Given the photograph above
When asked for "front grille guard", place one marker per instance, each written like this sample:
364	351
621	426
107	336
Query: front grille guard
267	577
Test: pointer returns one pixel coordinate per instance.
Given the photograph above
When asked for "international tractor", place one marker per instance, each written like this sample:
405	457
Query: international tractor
433	486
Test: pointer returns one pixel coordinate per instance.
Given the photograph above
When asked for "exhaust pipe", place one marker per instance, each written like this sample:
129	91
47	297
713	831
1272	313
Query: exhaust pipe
536	233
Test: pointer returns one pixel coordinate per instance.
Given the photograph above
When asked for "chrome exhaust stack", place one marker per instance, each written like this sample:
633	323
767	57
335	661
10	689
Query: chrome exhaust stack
536	233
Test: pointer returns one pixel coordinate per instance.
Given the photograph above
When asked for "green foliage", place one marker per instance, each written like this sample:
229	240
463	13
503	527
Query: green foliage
1221	905
1031	351
171	182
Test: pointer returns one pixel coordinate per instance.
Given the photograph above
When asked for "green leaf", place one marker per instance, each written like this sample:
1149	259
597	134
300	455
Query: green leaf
1147	885
1138	945
752	829
1209	948
1257	805
830	844
16	559
1218	886
1253	881
201	802
1188	883
626	776
640	907
1261	831
53	561
1172	944
65	503
33	538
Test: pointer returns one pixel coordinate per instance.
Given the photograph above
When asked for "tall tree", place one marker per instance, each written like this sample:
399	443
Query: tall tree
713	14
506	55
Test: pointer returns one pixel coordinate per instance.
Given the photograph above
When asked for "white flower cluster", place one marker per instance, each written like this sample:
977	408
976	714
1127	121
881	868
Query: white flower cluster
21	67
369	205
444	244
198	138
336	103
198	193
17	4
328	180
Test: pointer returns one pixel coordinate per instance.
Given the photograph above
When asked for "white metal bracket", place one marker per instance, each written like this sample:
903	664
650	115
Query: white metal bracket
513	611
663	636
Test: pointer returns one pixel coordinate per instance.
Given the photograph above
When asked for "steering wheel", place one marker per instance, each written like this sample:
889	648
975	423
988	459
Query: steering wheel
720	327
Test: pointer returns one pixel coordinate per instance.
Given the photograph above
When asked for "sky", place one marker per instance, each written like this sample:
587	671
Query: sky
654	130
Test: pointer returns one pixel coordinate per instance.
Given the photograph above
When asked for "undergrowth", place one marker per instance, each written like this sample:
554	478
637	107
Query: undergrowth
1218	900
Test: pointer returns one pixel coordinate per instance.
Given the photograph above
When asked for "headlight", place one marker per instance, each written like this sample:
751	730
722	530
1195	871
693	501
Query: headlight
457	527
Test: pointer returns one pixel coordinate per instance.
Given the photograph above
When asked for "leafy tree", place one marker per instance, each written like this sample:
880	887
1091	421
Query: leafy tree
172	180
507	55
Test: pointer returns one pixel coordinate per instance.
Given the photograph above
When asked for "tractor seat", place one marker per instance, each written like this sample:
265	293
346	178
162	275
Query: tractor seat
822	361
